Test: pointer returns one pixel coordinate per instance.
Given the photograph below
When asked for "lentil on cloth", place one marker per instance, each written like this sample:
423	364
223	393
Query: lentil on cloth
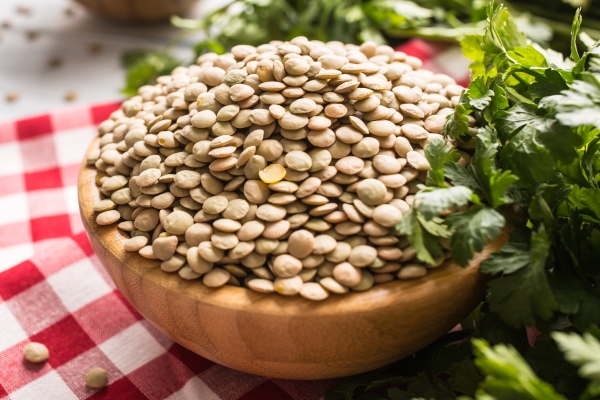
36	352
96	378
280	168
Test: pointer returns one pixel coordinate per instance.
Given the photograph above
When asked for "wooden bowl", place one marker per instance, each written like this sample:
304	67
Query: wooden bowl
138	10
287	337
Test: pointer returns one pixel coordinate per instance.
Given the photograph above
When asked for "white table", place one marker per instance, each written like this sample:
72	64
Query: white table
94	77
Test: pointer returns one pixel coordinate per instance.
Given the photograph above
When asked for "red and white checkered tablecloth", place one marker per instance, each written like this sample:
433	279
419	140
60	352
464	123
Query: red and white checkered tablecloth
53	289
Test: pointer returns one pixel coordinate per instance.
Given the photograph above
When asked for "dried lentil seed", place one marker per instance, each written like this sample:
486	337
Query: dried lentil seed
36	352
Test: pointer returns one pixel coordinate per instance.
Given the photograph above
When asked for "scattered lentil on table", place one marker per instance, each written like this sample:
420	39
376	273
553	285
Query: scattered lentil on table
54	62
71	96
280	168
32	35
96	378
36	352
12	96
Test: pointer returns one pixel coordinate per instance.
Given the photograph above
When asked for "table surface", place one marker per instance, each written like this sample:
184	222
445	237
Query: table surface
26	64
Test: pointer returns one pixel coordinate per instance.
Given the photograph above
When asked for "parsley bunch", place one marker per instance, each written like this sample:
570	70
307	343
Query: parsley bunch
534	174
537	152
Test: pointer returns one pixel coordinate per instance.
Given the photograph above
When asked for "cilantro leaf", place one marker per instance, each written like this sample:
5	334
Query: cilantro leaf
473	230
438	153
433	201
507	375
526	294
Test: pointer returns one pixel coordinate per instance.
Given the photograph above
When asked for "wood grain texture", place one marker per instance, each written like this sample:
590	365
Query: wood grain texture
283	337
138	10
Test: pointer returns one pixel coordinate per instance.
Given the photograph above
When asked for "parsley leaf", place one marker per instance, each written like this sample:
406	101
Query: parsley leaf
581	351
548	84
584	352
460	176
431	202
457	125
144	66
587	201
510	258
590	162
548	363
478	95
426	244
574	31
508	376
523	296
464	377
473	230
471	48
580	105
438	153
499	102
522	152
494	183
502	33
527	57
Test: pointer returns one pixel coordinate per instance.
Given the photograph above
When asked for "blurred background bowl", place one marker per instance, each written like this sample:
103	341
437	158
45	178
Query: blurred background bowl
138	10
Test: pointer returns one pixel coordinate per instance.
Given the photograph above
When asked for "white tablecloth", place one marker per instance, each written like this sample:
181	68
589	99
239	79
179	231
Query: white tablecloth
94	77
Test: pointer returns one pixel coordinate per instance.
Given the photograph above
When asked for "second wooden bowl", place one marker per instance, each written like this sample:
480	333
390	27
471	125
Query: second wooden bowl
282	337
138	10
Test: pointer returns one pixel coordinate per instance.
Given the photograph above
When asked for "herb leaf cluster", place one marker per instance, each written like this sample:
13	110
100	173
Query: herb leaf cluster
530	171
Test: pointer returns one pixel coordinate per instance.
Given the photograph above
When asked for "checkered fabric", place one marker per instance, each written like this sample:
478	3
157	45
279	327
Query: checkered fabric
53	289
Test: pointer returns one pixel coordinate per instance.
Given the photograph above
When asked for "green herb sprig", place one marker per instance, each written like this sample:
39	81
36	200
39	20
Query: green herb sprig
535	167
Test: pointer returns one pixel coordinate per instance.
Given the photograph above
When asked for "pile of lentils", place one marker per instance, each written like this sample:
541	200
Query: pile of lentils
281	168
